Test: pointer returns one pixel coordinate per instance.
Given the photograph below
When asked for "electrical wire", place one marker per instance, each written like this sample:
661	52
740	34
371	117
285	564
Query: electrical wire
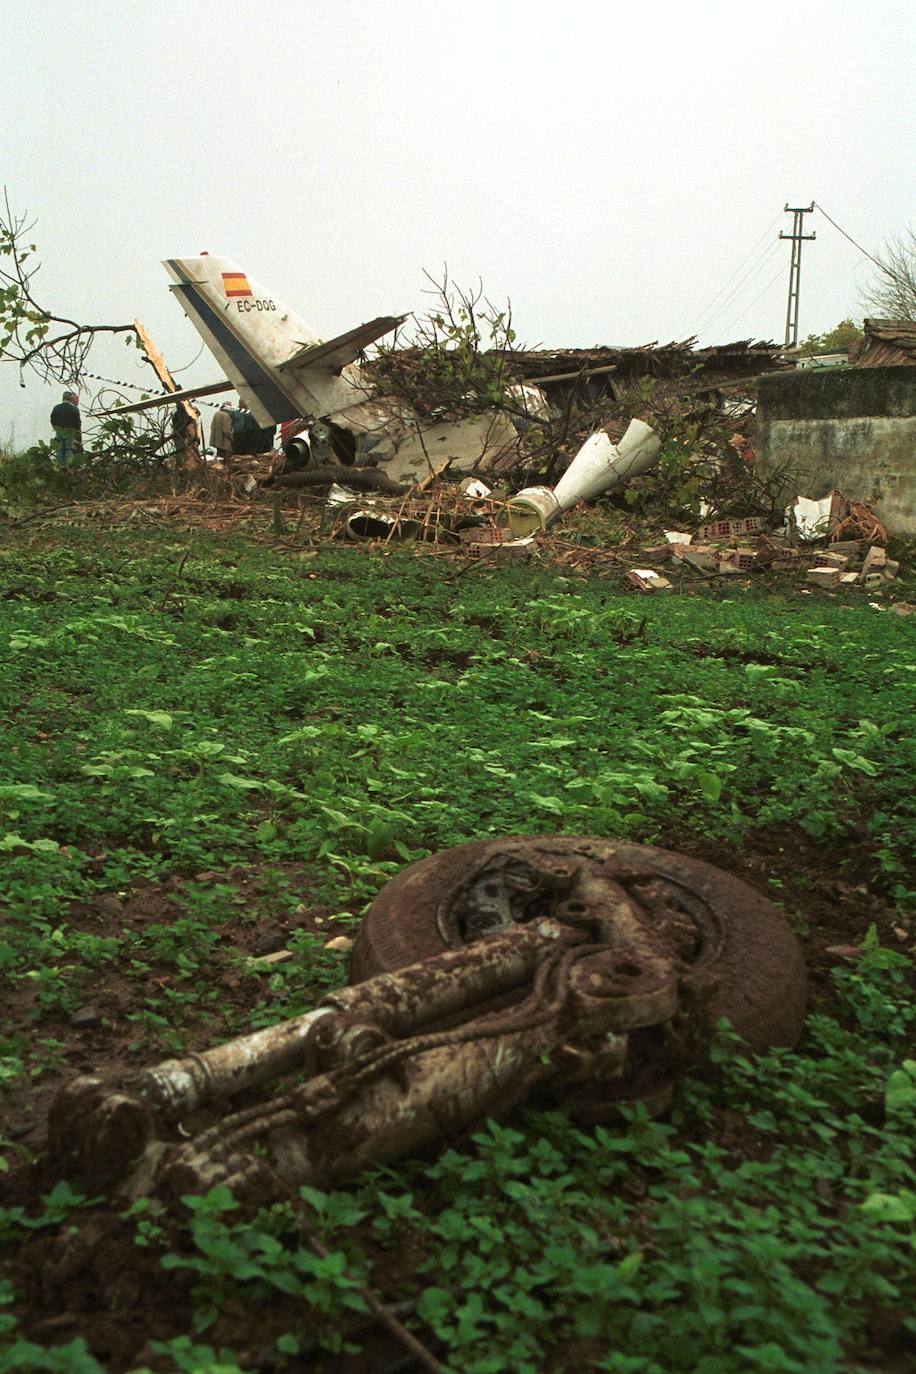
863	251
739	268
740	317
745	280
176	371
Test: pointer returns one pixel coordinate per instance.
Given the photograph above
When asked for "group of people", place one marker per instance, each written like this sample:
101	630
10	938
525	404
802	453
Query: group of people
234	429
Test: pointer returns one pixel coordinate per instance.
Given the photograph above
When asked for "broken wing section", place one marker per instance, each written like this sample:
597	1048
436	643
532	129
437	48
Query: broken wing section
169	398
345	348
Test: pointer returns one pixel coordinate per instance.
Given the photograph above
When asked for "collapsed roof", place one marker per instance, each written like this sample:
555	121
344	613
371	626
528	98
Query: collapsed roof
885	343
722	363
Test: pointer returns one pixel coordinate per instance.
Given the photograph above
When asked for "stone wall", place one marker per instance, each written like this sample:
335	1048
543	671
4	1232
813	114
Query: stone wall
854	429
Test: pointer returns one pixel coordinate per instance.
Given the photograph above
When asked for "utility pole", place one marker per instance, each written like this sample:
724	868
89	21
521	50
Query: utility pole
797	238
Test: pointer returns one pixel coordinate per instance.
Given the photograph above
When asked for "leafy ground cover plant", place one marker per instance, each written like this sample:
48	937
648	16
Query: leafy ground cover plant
200	770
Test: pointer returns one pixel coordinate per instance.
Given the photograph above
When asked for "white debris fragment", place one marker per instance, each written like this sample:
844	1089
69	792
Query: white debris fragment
814	519
342	496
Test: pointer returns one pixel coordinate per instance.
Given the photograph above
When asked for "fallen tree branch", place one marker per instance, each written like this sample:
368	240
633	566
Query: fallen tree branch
362	479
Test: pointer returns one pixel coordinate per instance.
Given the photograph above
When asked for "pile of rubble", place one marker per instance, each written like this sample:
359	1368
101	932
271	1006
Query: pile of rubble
743	546
834	542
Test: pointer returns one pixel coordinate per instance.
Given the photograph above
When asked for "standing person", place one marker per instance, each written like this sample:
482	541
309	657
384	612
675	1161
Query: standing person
221	431
246	435
67	424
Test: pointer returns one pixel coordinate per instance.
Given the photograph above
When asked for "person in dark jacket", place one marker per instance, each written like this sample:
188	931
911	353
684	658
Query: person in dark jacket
67	424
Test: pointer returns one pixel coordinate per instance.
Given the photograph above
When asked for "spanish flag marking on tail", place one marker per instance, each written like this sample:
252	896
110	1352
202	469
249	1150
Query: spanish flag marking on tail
236	284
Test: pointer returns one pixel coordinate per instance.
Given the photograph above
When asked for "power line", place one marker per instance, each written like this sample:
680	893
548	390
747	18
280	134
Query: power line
745	280
749	308
864	251
740	266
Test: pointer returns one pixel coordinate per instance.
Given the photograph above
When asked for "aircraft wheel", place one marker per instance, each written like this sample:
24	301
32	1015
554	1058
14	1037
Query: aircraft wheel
731	940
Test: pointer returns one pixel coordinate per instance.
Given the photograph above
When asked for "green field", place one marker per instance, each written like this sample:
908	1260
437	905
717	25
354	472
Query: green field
208	748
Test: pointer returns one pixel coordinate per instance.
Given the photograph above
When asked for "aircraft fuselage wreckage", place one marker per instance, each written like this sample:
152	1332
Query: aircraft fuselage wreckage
283	370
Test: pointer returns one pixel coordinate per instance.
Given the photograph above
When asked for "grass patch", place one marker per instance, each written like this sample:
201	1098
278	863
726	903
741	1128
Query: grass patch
200	758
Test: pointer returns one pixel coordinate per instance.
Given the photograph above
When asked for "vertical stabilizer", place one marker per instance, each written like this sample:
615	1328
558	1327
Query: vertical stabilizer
247	329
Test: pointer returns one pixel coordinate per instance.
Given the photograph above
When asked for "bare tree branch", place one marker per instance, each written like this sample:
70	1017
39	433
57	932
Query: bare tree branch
892	295
29	335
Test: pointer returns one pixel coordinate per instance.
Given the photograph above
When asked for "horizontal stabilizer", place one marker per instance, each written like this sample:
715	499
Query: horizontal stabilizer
168	398
336	353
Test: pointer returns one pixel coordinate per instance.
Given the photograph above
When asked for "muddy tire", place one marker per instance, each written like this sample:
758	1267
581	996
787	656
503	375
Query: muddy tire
746	951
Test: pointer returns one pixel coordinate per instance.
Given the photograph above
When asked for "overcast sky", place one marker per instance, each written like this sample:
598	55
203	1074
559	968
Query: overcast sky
607	166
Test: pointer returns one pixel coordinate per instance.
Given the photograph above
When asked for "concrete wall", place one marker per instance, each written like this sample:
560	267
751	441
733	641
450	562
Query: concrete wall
853	429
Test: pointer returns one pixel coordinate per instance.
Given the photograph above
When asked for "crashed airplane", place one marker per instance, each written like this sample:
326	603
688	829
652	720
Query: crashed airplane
283	370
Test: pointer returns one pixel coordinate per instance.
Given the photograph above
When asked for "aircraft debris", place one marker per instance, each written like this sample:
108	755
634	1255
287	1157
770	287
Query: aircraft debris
284	371
599	466
613	961
363	479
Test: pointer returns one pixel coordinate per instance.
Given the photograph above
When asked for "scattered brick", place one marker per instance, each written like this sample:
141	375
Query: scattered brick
875	560
502	550
742	559
823	577
727	529
648	581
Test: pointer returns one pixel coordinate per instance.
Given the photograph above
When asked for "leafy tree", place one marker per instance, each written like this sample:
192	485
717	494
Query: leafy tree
842	335
834	341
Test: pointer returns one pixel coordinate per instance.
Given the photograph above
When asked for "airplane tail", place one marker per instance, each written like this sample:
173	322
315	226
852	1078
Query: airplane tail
246	328
281	367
